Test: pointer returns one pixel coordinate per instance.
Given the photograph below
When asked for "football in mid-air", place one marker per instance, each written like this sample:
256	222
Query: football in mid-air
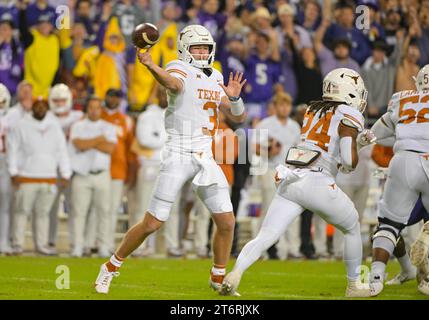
145	35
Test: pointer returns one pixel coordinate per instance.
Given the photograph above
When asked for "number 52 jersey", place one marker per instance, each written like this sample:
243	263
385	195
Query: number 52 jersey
191	119
408	112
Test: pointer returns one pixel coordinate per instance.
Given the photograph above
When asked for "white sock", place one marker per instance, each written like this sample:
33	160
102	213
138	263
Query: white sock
117	262
218	271
405	264
353	252
378	269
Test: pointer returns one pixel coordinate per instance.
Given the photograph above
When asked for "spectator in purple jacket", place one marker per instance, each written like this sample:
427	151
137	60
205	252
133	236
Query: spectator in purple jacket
344	28
310	17
38	8
11	55
262	74
376	31
214	21
83	15
338	58
232	59
10	9
392	24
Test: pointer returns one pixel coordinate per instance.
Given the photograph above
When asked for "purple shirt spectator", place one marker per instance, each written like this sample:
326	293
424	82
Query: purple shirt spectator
130	55
261	77
230	63
11	65
33	12
423	43
328	62
288	77
361	48
10	10
215	23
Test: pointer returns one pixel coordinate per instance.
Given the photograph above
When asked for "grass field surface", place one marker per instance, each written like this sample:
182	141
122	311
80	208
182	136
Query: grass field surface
162	279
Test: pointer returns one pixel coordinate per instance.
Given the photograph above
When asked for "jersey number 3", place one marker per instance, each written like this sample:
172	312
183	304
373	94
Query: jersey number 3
213	118
319	132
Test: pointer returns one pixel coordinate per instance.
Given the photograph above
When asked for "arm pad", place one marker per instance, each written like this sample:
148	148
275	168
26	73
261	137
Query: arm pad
346	152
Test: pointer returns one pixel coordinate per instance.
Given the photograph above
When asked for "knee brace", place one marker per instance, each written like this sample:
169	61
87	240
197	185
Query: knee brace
388	229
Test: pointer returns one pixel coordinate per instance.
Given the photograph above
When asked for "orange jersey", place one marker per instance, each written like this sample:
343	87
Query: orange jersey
122	155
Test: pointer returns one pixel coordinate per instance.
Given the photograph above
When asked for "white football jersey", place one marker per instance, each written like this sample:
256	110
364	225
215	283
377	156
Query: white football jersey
320	133
409	114
191	118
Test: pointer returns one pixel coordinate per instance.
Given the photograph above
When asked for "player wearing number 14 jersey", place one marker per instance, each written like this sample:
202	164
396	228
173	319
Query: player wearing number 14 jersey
332	131
196	92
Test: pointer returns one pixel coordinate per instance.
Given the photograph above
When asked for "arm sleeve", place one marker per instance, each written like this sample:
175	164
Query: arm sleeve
346	144
384	130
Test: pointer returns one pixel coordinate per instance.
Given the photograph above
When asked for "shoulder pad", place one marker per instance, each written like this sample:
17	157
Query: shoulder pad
351	117
350	123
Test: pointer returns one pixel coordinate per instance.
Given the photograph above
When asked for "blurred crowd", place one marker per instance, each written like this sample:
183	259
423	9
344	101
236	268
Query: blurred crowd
110	109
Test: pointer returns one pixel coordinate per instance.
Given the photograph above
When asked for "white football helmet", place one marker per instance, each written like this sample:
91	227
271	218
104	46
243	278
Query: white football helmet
195	35
345	85
60	92
422	79
4	99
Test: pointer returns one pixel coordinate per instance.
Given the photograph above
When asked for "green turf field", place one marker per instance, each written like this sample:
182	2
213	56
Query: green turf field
35	278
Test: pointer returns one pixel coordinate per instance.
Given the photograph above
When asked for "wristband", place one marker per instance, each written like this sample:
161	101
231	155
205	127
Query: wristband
237	107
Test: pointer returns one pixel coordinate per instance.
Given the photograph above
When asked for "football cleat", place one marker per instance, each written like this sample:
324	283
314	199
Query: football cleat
423	287
357	289
376	286
215	281
230	284
104	279
420	248
401	278
423	271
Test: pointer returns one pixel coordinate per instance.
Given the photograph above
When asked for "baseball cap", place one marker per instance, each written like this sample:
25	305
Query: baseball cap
7	18
286	9
44	18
